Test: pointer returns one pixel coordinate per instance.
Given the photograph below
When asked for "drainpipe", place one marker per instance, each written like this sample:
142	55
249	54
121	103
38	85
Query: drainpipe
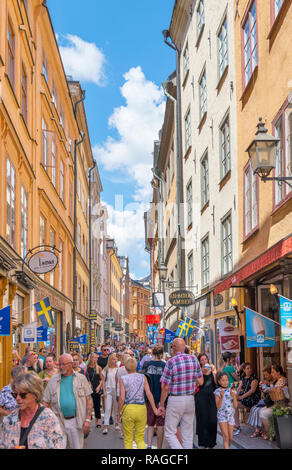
181	265
76	144
91	322
161	239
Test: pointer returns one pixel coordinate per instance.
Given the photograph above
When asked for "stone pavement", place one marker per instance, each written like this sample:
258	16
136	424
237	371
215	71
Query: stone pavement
97	440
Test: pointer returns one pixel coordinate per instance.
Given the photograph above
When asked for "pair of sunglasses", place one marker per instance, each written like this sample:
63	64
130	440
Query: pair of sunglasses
22	395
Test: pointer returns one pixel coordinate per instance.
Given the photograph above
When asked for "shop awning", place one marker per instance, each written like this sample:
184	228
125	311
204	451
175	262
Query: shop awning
270	256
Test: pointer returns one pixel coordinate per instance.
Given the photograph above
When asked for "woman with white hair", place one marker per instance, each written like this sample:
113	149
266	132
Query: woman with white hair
32	426
109	373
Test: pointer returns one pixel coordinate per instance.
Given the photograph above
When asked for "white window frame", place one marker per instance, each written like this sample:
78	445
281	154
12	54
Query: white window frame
222	38
225	154
205	260
188	130
226	244
203	94
204	180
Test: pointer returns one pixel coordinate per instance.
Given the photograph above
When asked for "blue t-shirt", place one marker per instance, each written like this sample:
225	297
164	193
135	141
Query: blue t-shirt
155	370
67	398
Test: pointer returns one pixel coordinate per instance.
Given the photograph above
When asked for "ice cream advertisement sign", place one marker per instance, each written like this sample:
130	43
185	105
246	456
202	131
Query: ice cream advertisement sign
229	337
286	318
260	330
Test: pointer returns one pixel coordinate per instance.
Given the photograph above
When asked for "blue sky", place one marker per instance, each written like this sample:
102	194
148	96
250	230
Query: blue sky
116	49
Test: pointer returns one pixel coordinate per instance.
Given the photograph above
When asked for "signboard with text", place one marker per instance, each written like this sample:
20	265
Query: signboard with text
182	298
152	319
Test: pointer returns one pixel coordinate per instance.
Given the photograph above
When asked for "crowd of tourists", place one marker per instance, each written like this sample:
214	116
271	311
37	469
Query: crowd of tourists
52	404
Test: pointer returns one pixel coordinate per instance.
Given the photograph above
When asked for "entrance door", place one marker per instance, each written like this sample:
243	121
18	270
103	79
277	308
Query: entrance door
268	307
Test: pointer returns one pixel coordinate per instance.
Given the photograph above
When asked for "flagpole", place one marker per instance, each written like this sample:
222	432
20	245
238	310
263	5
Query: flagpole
267	318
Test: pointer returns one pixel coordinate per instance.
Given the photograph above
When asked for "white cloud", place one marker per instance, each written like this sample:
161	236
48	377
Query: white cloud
83	60
137	124
126	226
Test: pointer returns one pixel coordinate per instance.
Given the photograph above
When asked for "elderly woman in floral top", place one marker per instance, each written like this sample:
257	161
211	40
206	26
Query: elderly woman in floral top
32	426
7	402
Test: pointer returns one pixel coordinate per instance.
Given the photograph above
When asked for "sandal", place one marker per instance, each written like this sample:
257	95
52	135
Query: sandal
105	431
265	437
117	427
256	434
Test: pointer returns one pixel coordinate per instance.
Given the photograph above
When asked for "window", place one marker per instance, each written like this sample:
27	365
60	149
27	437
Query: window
277	6
62	116
250	44
52	243
42	230
69	275
205	261
204	181
61	266
283	130
223	48
54	162
45	144
79	292
190	271
11	53
200	17
203	94
225	148
24	93
54	96
62	180
79	238
188	131
79	190
45	67
10	203
186	61
190	202
250	199
24	224
226	245
71	200
83	247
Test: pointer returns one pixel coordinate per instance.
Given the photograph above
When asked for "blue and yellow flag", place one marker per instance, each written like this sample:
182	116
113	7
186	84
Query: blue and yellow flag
44	311
189	326
181	329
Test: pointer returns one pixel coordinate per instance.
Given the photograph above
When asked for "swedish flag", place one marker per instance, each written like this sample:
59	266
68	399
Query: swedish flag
189	326
181	330
44	311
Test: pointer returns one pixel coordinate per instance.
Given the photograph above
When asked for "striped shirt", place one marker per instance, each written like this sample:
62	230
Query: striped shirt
181	373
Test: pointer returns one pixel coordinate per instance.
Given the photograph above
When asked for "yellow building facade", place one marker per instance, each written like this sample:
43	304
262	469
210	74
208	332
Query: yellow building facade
38	128
263	87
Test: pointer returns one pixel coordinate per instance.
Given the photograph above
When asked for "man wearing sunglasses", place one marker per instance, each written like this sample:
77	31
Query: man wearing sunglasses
69	396
102	362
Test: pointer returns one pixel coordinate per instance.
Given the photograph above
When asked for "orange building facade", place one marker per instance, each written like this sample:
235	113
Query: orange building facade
38	130
139	308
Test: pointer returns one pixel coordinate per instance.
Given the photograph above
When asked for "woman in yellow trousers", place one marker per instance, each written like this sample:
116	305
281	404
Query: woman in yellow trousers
132	405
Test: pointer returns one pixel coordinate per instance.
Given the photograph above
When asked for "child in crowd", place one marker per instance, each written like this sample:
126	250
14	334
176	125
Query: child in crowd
226	403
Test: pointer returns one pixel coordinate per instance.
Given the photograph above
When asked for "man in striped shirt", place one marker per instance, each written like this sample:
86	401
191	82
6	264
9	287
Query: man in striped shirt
181	375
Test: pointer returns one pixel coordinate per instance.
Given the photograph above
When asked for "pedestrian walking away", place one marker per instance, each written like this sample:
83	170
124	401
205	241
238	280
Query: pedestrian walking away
226	403
132	407
181	375
154	369
31	426
206	410
69	396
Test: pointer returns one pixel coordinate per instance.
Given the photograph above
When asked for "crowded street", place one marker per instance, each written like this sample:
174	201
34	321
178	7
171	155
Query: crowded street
146	229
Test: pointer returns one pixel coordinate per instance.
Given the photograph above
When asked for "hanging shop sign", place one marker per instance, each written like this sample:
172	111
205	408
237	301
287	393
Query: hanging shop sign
218	300
5	324
109	320
29	333
158	299
229	337
118	328
81	339
182	298
152	319
169	336
73	344
43	262
286	318
260	330
42	334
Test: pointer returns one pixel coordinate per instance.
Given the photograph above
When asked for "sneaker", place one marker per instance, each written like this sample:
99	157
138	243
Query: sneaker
149	447
236	432
111	421
121	435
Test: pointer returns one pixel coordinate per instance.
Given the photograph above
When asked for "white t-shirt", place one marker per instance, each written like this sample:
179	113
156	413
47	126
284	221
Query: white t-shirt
121	371
110	376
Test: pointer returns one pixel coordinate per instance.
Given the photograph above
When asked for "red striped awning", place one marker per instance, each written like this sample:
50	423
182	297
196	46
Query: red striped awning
281	249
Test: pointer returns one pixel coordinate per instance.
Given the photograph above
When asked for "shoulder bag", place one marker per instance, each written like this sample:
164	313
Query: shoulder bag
25	435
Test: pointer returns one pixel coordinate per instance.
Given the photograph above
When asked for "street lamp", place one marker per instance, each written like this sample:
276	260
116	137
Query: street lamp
262	153
162	272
